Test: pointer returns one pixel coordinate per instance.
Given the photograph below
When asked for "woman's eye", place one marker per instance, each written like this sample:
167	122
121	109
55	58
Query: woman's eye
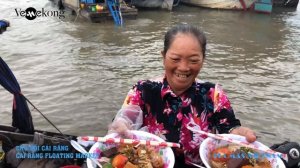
194	61
175	59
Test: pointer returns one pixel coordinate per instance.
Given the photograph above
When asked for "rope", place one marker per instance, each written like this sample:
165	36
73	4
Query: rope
120	12
288	1
64	136
2	154
78	13
177	3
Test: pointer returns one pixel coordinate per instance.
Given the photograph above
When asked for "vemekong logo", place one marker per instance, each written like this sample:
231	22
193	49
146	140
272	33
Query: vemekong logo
31	13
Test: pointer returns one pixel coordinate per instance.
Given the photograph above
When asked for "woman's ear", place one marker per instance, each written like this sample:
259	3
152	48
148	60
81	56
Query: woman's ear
163	56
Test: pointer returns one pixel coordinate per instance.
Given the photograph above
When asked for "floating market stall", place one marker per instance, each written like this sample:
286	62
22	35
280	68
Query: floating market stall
101	10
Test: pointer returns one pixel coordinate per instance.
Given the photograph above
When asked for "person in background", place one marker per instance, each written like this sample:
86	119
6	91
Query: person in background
3	25
165	105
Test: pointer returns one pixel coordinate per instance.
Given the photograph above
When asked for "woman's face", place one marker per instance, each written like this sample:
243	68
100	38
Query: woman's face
182	62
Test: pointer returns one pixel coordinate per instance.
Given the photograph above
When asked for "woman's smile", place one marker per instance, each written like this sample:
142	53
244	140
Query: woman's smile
182	76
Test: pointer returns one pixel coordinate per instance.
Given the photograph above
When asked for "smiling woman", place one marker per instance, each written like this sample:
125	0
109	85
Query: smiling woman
166	105
183	59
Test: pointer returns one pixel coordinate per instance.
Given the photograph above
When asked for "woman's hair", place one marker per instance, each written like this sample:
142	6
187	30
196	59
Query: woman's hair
185	29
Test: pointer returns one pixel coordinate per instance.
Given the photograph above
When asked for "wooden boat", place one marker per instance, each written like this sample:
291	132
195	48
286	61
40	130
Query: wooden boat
11	139
222	4
262	5
164	4
266	6
100	10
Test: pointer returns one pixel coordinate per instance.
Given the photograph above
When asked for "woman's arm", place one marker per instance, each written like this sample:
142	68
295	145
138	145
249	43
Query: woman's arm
225	118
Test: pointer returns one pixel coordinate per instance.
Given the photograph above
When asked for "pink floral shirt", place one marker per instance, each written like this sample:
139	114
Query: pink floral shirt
167	115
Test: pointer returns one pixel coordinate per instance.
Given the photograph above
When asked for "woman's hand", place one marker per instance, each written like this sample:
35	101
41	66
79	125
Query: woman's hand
120	126
246	132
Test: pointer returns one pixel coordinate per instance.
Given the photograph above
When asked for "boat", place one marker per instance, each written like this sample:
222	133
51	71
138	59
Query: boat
40	147
222	4
100	10
264	6
163	4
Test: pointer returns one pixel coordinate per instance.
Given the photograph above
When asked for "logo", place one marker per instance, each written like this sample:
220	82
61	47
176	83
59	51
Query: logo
31	13
294	153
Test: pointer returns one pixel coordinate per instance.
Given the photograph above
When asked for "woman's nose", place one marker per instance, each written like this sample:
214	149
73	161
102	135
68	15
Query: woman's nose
184	66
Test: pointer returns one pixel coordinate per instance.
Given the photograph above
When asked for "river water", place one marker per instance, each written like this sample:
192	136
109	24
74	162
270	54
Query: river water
78	73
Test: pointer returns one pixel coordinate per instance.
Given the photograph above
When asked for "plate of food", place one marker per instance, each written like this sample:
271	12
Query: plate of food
223	154
118	155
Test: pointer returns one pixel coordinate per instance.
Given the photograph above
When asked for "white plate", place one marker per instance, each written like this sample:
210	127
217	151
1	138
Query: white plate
166	153
209	144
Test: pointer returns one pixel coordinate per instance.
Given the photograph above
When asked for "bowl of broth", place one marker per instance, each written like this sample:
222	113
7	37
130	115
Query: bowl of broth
222	154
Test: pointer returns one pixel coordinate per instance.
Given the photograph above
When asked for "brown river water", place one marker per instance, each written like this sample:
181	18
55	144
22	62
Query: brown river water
78	73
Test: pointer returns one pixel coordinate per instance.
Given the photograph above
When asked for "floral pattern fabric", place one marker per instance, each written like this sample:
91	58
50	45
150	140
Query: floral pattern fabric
166	115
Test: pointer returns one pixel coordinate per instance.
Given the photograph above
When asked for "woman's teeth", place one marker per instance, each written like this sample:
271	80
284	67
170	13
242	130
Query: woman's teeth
182	75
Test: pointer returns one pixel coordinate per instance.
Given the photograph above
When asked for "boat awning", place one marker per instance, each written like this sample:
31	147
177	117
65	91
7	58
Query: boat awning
21	116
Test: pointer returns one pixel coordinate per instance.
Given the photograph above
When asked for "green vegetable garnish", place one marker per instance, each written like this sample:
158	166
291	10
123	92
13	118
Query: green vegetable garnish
249	152
107	165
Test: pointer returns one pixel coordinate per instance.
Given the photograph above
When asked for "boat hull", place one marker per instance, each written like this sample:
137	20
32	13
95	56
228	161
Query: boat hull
221	4
130	13
42	141
164	4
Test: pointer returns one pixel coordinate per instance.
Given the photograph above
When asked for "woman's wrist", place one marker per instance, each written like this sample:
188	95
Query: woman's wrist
244	131
119	125
233	128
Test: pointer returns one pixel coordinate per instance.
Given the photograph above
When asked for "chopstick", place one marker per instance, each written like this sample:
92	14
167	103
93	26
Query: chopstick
129	141
194	164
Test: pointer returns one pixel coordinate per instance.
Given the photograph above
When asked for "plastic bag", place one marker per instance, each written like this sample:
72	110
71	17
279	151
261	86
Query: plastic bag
132	114
129	117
